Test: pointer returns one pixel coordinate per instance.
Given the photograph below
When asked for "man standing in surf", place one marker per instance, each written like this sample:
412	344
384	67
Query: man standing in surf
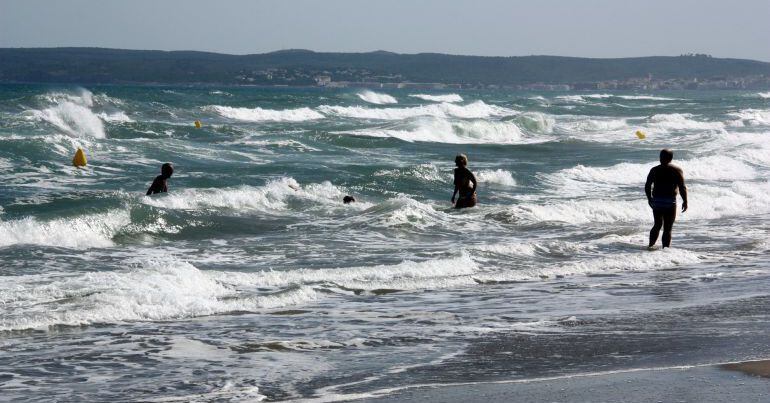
663	183
463	179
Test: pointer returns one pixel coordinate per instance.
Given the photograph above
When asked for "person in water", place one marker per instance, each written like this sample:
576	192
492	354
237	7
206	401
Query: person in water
348	199
159	185
663	183
463	180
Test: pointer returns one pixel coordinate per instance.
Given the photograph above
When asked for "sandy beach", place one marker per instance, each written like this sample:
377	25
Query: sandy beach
693	384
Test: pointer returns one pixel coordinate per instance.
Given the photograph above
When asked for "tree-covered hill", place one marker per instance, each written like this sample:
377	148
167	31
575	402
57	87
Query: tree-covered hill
301	67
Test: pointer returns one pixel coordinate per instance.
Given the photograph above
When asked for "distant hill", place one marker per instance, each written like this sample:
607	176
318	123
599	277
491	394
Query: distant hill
303	67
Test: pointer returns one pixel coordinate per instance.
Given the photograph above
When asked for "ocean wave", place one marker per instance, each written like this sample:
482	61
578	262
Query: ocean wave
116	117
712	202
376	98
265	115
751	117
407	275
497	177
585	124
454	132
438	98
682	121
155	290
764	94
425	172
91	231
583	98
536	122
711	168
71	113
274	197
475	110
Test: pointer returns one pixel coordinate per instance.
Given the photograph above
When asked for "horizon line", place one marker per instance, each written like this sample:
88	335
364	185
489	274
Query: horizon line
367	52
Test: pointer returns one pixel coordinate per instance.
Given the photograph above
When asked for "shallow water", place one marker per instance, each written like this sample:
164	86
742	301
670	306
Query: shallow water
250	277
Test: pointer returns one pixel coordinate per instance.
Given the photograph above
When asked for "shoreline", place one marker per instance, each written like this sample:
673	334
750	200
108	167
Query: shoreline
729	382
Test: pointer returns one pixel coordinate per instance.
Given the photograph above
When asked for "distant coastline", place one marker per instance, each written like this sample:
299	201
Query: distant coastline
303	68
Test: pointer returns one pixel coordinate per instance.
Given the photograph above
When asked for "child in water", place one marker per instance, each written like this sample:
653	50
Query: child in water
463	180
159	185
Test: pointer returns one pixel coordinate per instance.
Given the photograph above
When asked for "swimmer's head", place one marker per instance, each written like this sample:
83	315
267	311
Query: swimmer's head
666	156
461	160
167	170
348	199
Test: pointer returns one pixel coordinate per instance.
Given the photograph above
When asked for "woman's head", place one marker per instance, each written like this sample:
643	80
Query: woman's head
461	160
167	170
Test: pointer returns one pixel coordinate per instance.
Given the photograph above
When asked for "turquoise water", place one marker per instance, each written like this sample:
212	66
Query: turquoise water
251	278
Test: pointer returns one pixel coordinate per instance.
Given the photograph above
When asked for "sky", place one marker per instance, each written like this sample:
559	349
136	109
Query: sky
586	28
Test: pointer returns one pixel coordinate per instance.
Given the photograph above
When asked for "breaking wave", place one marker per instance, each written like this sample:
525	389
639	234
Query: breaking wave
275	196
497	177
153	291
438	98
454	132
376	98
92	231
475	110
265	115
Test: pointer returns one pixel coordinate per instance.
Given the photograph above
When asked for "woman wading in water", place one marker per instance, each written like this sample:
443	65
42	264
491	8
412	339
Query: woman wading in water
463	180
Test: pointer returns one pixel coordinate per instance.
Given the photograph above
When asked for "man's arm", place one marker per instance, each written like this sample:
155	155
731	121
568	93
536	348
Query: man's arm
648	187
682	190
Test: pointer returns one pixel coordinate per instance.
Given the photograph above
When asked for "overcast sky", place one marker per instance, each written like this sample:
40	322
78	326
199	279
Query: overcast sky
590	28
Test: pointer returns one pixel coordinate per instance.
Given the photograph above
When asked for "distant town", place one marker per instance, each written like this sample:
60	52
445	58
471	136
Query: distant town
366	79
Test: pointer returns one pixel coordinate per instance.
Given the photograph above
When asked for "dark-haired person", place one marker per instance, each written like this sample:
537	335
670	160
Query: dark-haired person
159	185
463	180
663	183
348	199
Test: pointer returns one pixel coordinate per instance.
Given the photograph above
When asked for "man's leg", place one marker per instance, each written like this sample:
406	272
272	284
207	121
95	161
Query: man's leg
656	227
668	223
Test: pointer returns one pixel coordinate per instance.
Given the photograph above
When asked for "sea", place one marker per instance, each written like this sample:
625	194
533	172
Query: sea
250	279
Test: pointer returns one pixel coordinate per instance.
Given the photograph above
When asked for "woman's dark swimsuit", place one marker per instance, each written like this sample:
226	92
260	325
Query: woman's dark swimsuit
466	193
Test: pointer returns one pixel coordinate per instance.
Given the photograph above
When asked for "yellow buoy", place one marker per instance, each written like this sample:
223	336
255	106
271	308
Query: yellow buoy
641	135
198	124
80	158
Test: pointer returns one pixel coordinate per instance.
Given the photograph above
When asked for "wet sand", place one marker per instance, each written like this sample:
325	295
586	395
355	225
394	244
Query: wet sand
692	384
755	368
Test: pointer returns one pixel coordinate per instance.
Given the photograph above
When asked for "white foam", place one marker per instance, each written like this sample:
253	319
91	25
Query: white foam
711	168
647	98
498	177
408	275
117	117
682	121
376	98
72	118
272	197
764	94
751	117
438	98
154	291
475	110
91	231
426	172
536	122
455	132
711	202
633	261
263	115
583	124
